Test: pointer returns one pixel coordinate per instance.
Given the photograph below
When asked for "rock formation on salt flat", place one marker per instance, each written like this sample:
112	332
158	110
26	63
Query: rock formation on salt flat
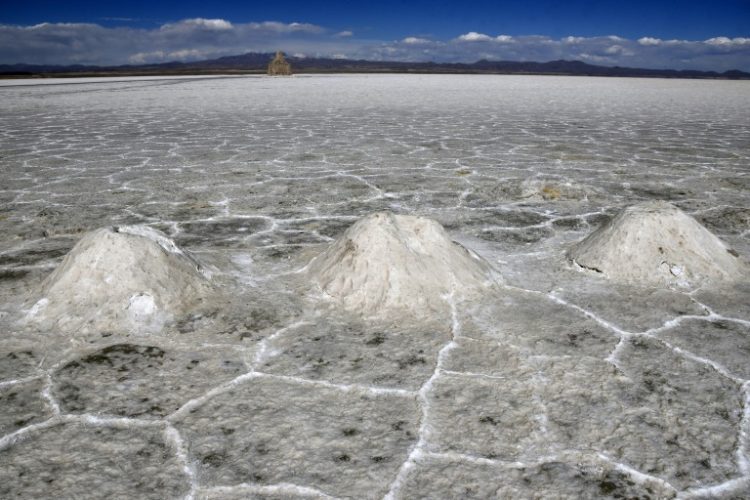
551	190
279	65
656	244
130	278
546	189
387	264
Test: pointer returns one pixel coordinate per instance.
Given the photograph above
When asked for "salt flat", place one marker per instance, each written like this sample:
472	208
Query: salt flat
555	383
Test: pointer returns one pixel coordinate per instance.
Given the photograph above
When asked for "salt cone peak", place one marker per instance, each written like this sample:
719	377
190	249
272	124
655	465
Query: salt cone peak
657	244
120	278
386	264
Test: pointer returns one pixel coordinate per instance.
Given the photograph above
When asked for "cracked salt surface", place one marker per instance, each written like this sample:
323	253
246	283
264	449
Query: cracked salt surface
554	383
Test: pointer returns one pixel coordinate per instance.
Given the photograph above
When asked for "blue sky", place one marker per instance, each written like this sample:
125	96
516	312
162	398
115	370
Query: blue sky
684	34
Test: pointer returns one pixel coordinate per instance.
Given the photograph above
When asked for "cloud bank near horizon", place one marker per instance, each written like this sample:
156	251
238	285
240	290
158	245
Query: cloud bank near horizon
199	38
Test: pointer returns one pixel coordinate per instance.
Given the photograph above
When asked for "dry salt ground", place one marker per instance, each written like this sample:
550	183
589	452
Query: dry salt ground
375	287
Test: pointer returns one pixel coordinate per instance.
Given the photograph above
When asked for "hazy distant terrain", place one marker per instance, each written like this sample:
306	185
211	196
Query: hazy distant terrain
258	62
558	383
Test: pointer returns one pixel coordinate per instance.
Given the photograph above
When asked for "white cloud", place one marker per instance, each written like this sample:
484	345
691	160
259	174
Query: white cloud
724	41
413	40
187	54
594	58
619	50
277	27
158	56
473	36
303	27
345	34
720	40
147	57
647	40
198	23
43	26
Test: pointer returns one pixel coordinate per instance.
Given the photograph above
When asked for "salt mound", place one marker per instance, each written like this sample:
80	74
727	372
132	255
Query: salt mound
120	278
657	244
388	263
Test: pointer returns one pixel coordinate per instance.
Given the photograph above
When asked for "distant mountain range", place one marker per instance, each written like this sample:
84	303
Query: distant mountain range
257	62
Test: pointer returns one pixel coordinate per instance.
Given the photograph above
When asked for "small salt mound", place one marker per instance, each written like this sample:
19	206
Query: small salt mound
657	244
386	263
120	278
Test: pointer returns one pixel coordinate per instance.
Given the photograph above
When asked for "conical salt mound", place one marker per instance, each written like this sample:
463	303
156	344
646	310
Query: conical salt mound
385	264
656	244
120	278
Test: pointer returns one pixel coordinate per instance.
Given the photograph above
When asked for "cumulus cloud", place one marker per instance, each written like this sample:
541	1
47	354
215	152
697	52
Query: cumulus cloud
723	41
647	40
199	38
413	40
161	56
619	50
199	23
473	36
